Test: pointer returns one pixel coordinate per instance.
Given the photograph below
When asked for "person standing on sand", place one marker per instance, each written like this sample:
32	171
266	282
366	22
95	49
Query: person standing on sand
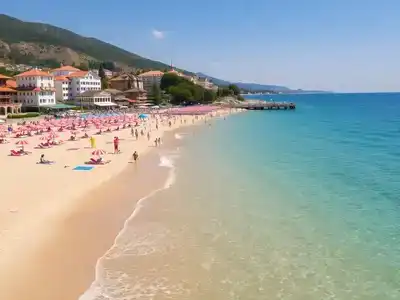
148	136
156	142
135	156
116	145
136	134
92	142
132	132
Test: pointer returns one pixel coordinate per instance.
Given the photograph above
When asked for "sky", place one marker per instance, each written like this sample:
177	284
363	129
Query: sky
335	45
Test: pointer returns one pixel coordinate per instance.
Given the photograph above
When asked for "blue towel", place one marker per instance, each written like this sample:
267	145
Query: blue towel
83	168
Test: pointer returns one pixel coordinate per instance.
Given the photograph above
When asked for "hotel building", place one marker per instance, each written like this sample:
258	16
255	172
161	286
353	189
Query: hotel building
71	82
35	89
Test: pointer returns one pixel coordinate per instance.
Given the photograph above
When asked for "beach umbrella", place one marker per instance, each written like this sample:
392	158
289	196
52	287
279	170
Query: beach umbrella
142	116
21	142
99	152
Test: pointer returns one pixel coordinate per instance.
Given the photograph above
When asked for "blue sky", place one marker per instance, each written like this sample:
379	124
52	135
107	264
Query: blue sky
335	45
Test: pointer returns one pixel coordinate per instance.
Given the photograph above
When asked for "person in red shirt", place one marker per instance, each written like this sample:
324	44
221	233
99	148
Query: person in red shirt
116	145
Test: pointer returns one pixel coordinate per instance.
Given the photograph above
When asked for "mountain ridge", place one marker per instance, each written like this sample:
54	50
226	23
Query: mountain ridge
41	44
247	86
41	38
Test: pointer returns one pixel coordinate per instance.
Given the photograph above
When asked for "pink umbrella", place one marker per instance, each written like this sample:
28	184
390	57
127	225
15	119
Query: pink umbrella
21	142
99	152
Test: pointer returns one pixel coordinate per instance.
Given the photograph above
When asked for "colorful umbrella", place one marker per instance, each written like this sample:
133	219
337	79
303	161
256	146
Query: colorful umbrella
99	152
22	142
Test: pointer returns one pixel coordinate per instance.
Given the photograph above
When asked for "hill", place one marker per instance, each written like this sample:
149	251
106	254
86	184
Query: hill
247	86
37	43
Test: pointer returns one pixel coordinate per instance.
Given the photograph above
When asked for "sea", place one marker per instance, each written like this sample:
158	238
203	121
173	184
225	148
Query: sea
288	205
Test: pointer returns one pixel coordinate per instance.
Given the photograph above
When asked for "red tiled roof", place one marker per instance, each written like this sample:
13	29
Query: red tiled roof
7	89
78	74
152	73
11	83
34	72
66	68
4	77
60	78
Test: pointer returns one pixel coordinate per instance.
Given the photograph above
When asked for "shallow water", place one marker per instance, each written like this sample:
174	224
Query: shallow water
297	205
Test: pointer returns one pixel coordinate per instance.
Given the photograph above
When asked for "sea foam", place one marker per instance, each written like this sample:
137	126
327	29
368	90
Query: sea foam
100	287
178	136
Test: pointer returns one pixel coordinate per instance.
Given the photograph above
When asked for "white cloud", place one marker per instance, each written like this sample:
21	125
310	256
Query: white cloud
157	34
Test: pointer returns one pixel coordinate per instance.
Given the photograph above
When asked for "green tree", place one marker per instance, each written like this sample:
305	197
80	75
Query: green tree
224	91
83	67
9	73
235	89
168	80
180	94
156	94
102	74
104	83
209	96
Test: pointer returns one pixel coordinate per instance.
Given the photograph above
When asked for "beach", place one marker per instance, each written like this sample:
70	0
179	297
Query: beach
56	222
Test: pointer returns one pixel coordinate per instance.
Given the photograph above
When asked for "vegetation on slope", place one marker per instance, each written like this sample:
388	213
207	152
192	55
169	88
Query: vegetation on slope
183	91
13	30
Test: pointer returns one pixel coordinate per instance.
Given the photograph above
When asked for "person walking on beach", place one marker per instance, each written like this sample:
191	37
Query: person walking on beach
148	136
156	142
135	156
136	134
132	132
116	145
159	141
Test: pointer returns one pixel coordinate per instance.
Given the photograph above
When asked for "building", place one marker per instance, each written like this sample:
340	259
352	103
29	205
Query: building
205	83
150	79
64	70
94	99
8	97
71	82
35	89
108	73
126	81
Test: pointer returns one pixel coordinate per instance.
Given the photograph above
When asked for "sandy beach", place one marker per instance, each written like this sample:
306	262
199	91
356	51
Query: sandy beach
52	216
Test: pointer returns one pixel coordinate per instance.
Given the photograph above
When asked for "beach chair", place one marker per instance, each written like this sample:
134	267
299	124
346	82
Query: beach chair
16	153
97	161
44	145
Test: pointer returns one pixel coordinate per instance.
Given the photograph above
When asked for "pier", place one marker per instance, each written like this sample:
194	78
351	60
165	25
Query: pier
264	105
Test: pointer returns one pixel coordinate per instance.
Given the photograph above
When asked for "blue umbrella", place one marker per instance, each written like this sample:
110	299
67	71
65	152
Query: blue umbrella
142	116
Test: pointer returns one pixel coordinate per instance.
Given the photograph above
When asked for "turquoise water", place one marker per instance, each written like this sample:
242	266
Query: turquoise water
292	205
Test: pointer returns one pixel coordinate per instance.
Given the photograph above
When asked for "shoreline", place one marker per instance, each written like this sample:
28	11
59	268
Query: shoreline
51	252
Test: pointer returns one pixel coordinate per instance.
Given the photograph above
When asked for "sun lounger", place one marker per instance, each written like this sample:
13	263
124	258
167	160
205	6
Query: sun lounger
44	145
17	153
94	161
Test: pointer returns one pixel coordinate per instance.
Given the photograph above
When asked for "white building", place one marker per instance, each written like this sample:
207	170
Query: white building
108	73
64	71
150	79
205	83
35	89
71	82
94	99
